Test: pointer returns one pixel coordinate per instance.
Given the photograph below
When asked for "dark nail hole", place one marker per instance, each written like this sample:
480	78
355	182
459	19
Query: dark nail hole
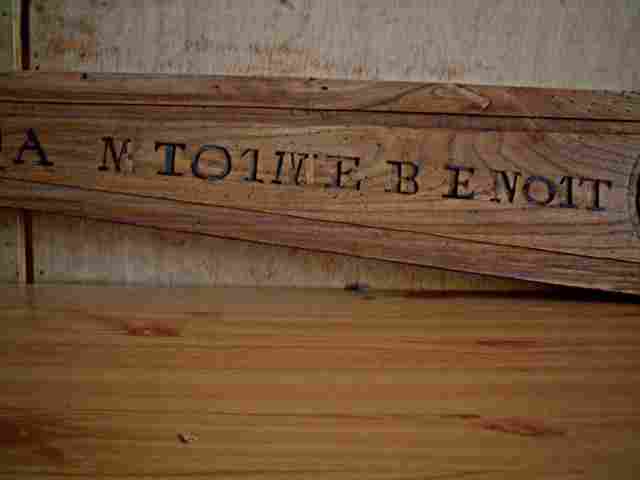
84	76
324	87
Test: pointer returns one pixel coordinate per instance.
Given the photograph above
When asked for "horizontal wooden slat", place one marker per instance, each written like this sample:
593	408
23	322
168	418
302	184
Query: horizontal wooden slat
408	97
227	383
406	247
522	186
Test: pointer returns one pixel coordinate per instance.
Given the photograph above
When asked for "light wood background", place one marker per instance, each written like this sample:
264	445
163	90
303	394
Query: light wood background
103	382
569	43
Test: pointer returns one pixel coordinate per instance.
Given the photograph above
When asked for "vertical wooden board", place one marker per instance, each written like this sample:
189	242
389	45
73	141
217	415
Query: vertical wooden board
75	250
9	252
9	35
9	218
571	43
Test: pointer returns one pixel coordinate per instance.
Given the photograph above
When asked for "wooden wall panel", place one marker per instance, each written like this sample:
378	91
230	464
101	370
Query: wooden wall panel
71	250
573	44
567	43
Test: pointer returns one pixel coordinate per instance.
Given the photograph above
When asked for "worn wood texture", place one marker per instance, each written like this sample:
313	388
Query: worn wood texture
481	42
9	35
590	44
395	245
12	259
320	94
142	383
11	262
71	250
508	197
72	137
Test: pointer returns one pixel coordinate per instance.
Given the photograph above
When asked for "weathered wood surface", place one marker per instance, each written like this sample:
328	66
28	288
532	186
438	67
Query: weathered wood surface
319	94
533	181
83	250
9	35
479	42
223	383
587	44
394	245
11	263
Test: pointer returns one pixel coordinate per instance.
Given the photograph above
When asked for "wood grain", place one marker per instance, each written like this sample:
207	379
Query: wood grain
10	259
478	42
83	250
319	94
295	384
586	44
9	35
406	247
552	149
11	247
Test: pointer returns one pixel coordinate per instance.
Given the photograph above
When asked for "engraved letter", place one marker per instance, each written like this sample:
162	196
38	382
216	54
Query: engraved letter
402	178
568	203
509	187
110	147
195	166
456	183
33	144
296	168
595	192
340	172
551	190
253	166
170	158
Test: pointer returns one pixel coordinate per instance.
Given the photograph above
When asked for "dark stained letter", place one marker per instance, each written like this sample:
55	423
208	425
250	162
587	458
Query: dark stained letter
551	190
195	165
32	144
296	169
110	147
568	203
509	187
402	178
340	172
595	192
455	184
253	166
170	158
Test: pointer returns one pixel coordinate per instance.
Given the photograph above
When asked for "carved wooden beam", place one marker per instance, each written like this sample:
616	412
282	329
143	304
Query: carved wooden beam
518	182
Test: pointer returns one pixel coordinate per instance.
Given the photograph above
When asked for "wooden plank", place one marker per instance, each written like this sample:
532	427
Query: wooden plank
394	245
567	44
318	94
11	239
10	260
600	224
295	384
9	35
82	250
552	185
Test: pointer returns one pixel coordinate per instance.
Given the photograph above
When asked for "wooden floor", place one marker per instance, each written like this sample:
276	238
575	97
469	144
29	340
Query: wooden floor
272	383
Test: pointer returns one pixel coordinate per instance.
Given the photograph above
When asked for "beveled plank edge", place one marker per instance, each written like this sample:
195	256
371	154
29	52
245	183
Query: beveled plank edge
405	247
318	94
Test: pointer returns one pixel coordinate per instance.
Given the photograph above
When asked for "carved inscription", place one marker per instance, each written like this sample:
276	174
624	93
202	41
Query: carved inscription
215	163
